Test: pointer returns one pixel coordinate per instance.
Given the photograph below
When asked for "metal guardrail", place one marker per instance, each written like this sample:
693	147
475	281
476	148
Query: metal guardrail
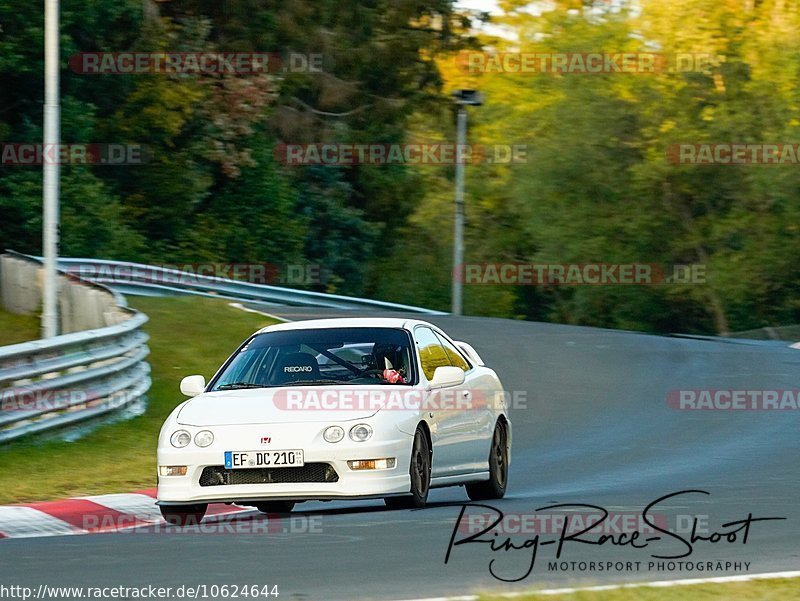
137	278
61	381
52	383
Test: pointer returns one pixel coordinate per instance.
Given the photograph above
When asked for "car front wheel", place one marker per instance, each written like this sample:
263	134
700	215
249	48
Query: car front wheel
420	472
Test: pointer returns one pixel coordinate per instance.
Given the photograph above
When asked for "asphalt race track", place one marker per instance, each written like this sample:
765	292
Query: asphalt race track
594	428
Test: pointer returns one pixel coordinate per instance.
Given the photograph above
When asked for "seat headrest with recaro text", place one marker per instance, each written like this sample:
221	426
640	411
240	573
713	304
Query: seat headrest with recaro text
293	367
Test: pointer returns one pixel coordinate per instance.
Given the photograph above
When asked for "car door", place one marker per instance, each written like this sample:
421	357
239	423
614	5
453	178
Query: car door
472	427
439	412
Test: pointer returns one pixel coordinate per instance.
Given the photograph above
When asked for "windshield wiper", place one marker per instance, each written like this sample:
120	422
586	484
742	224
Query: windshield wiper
235	385
312	382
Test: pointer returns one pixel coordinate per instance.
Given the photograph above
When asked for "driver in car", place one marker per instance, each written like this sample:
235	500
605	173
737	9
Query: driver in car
389	358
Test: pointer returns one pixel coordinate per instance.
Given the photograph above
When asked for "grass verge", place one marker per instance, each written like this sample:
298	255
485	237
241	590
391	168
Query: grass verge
778	589
188	335
17	328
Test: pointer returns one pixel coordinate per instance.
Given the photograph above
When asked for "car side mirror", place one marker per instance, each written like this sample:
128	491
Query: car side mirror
193	385
447	375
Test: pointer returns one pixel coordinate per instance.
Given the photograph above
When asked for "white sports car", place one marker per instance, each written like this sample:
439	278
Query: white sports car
336	409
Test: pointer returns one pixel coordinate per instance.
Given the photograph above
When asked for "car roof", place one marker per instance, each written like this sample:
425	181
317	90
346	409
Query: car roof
345	322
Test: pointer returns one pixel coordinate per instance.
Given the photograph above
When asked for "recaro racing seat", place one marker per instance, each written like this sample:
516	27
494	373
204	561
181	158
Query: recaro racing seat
296	367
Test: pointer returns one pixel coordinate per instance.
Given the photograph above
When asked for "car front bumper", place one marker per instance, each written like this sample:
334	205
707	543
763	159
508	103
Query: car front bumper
177	490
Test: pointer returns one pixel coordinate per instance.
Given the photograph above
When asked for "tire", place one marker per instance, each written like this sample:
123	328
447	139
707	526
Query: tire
184	515
495	486
420	472
275	506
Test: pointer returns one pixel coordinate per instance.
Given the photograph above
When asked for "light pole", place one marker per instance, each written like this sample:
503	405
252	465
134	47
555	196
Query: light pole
463	98
51	170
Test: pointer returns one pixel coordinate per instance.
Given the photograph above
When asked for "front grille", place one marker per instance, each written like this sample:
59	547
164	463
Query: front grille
217	475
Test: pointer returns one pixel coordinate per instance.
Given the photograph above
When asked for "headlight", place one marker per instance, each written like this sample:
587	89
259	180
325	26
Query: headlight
180	439
360	432
333	434
203	438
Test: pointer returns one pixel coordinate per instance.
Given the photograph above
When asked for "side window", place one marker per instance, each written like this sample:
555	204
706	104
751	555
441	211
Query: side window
431	351
456	358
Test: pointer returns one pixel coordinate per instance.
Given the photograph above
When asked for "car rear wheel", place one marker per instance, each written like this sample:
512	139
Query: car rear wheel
495	486
420	472
275	506
184	515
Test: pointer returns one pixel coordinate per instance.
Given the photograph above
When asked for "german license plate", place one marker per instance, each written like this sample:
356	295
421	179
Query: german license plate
254	459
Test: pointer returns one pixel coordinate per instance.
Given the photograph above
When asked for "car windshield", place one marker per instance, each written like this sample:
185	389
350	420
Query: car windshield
329	356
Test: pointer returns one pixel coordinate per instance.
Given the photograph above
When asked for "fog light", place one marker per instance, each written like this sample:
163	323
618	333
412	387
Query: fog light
371	464
172	470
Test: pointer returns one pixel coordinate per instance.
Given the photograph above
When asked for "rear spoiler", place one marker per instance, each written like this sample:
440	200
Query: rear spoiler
470	352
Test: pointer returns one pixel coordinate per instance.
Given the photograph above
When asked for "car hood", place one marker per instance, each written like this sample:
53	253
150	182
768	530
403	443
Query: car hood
284	405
